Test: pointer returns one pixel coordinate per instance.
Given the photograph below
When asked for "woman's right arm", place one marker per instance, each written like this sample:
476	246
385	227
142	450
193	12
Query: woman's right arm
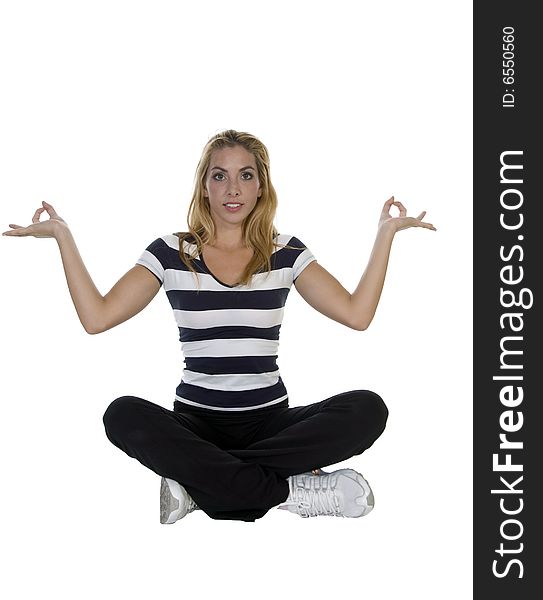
97	313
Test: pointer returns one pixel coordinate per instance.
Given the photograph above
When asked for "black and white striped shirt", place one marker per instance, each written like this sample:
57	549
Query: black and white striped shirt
229	334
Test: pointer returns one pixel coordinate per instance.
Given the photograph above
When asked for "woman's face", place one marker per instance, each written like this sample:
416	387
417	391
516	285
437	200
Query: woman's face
231	185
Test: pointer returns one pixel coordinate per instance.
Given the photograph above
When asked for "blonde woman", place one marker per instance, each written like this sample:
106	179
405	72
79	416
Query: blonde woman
232	446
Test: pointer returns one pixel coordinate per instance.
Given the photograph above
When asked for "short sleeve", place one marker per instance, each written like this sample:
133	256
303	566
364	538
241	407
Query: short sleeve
304	257
153	259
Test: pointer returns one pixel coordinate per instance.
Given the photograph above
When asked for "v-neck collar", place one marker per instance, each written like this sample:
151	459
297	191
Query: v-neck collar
201	257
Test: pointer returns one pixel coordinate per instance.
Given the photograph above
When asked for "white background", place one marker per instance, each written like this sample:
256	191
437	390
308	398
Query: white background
105	109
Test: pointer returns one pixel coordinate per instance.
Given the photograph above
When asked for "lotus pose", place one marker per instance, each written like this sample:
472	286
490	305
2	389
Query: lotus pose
232	446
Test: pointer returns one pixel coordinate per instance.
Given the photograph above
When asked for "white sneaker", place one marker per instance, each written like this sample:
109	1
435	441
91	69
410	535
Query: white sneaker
343	493
175	502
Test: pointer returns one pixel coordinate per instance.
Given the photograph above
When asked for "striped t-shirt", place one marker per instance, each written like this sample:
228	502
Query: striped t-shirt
229	334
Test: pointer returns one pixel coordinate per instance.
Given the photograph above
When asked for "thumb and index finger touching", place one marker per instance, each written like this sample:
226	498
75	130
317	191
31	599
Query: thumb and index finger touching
390	203
19	229
403	212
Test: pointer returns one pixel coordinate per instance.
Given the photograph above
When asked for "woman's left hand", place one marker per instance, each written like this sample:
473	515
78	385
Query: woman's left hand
403	221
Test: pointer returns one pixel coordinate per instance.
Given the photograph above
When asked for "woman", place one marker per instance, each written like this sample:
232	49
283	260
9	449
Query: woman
232	446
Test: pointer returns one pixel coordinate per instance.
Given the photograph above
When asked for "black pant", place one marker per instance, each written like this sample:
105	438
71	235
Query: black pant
235	464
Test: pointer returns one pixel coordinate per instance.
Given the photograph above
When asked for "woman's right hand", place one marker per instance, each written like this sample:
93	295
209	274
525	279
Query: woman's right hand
39	228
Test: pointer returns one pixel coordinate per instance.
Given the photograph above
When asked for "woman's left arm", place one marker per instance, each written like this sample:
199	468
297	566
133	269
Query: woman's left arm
324	292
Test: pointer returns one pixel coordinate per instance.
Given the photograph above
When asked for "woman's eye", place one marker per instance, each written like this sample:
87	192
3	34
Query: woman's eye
245	175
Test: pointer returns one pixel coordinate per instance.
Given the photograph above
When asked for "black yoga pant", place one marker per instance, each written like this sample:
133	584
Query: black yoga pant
235	464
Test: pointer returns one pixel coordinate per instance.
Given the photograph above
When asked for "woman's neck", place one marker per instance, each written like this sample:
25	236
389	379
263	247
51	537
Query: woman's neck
230	240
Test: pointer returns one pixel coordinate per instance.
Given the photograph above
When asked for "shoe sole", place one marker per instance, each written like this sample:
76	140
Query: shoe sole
170	504
368	496
368	493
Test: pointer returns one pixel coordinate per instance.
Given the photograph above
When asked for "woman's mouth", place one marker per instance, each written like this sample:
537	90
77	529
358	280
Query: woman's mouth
232	206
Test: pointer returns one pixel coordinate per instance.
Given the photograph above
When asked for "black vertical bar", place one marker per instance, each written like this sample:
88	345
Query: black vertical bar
508	257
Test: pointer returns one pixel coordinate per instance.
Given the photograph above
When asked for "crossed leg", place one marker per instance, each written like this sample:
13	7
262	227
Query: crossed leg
244	483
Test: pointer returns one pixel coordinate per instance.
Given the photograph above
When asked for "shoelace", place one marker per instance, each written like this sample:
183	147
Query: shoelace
319	499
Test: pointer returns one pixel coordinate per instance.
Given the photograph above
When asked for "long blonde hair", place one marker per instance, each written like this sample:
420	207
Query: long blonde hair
258	230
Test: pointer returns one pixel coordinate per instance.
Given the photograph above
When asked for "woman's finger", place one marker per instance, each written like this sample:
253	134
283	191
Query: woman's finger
36	217
385	213
401	207
421	215
49	208
428	226
17	230
388	204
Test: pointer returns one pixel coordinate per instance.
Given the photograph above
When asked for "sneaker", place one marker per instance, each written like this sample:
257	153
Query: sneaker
343	493
175	502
